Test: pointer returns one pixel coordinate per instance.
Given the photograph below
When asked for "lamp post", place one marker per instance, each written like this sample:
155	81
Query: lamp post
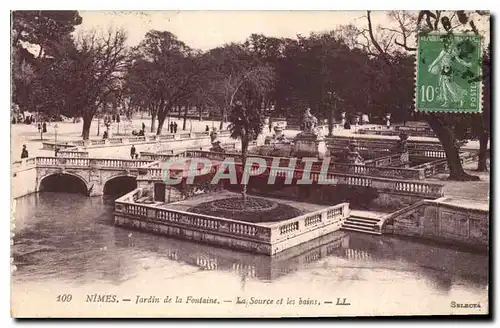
56	127
388	118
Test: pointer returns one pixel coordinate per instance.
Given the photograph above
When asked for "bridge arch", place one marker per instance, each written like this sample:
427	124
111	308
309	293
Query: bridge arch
119	184
63	182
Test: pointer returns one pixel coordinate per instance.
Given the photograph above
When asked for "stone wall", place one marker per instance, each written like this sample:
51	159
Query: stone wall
359	197
443	221
24	182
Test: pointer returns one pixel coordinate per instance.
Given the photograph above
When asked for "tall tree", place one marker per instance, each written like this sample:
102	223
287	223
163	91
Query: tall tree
171	67
246	124
44	29
36	36
234	73
96	71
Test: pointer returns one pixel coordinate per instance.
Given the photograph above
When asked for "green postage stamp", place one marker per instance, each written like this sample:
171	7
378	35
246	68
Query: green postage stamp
449	68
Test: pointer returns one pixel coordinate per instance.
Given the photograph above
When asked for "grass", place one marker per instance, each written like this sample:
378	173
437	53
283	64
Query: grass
252	210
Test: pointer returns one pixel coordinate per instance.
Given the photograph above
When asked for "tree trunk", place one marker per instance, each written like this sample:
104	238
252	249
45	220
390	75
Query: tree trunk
223	114
153	121
244	151
98	125
483	155
86	127
330	122
161	120
184	118
452	153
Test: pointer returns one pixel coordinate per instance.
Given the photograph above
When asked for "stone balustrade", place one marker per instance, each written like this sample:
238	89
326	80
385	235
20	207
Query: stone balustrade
389	160
222	226
166	137
428	153
411	131
73	153
201	134
49	145
380	144
261	238
374	170
296	226
24	164
158	157
90	162
127	140
416	188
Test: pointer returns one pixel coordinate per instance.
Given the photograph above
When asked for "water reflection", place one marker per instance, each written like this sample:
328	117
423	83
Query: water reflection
70	237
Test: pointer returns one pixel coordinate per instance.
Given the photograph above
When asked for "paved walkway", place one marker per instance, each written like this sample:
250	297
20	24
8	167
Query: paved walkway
23	134
475	191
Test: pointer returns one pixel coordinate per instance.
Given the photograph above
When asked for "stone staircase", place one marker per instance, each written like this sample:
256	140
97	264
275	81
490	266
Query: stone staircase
363	221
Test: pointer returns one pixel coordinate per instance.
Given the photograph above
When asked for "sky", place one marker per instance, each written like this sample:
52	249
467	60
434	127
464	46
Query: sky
208	29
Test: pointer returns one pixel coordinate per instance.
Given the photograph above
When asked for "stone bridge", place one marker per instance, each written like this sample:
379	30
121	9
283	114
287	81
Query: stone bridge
91	175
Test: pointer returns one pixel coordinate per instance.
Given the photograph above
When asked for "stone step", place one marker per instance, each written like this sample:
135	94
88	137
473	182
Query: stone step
370	225
358	226
365	220
361	230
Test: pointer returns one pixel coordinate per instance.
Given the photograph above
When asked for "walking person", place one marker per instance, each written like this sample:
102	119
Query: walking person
171	127
132	152
143	127
24	152
207	128
44	127
175	127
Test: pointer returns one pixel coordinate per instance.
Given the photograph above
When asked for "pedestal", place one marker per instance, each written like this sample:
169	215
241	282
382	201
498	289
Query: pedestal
405	159
310	145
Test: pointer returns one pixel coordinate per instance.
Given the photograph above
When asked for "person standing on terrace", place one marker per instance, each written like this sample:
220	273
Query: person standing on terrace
24	152
132	152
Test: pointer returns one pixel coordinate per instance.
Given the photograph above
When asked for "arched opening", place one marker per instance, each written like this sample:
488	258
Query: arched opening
61	182
120	186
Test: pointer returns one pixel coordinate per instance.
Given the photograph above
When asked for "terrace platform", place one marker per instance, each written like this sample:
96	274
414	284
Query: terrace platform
264	238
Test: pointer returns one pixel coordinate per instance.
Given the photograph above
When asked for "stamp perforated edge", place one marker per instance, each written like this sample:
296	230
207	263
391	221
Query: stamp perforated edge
441	110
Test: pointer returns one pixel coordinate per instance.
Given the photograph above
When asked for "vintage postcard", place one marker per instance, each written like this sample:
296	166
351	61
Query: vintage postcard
238	164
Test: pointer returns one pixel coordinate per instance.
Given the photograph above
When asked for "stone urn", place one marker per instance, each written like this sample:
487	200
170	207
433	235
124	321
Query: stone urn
213	135
352	155
278	131
402	149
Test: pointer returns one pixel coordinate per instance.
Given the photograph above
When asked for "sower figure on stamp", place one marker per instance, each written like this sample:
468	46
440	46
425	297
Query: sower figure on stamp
443	65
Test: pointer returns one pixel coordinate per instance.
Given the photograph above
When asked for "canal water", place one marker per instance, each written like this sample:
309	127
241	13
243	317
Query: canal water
67	243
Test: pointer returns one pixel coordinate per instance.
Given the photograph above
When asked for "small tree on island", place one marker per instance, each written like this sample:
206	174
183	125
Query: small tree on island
246	125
